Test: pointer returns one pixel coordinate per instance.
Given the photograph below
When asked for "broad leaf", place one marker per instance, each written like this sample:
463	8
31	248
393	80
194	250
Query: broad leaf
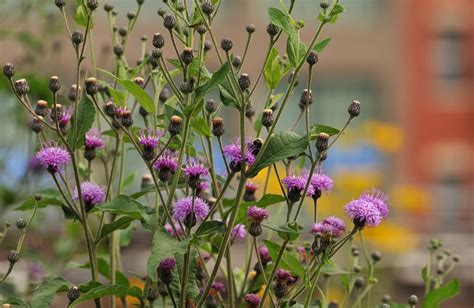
46	292
216	79
289	231
280	146
317	129
295	49
332	269
272	69
288	261
121	223
212	226
107	290
125	205
424	274
439	295
226	97
80	17
319	46
14	301
85	118
201	126
163	246
49	197
280	19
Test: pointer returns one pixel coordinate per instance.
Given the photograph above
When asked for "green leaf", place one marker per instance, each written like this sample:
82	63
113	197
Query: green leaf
142	97
107	290
216	79
201	126
117	96
227	98
289	231
265	201
424	274
332	269
280	19
272	69
85	119
49	197
163	246
317	129
121	223
129	180
280	146
46	292
14	301
125	205
288	261
295	49
212	226
319	46
439	295
80	17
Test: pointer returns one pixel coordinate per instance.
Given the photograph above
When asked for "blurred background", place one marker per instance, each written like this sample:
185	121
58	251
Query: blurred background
410	64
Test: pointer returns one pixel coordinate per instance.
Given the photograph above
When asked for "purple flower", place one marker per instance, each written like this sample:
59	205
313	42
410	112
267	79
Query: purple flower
238	232
282	275
300	249
169	229
378	199
233	152
184	207
330	227
65	117
92	194
264	254
167	265
319	183
295	184
53	158
253	300
250	187
363	213
202	186
166	161
149	139
195	170
257	214
93	140
218	286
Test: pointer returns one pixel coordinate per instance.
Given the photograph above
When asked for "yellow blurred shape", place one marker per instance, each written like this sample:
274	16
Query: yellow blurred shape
384	136
410	198
391	237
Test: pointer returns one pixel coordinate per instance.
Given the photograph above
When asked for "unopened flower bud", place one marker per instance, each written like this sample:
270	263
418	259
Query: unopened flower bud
91	86
324	4
456	258
21	223
357	269
8	70
312	58
359	282
122	31
118	50
126	118
41	108
156	55
267	118
169	21
147	181
306	99
386	298
413	300
322	142
74	92
249	111
13	256
92	4
201	29
272	30
175	125
207	7
38	197
77	37
73	294
165	94
152	294
236	61
354	109
211	106
139	81
244	82
207	46
108	7
109	109
250	28
21	87
161	12
218	127
37	124
187	55
158	40
56	110
255	229
376	256
226	44
186	87
190	220
60	3
140	2
54	84
131	15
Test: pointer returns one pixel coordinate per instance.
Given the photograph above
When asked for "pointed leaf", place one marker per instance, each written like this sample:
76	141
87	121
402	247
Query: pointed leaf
45	293
319	46
107	290
216	79
85	118
439	295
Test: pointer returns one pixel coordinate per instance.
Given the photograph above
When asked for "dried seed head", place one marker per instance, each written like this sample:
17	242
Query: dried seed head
74	92
41	108
8	70
37	124
236	61
21	223
118	50
207	7
91	86
161	12
169	21
158	40
250	28
122	31
413	300
218	127
249	111
108	7
54	84
322	142
186	87
211	106
13	256
226	44
312	58
187	55
267	118
139	81
92	4
165	94
131	15
244	82
354	109
306	99
56	110
60	3
156	54
201	29
77	37
109	109
21	87
73	294
126	118
272	30
175	125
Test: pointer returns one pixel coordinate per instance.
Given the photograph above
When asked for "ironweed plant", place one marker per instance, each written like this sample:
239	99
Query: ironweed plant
160	108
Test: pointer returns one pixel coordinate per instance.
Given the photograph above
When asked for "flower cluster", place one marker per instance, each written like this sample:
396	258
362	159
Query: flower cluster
330	227
92	194
369	209
190	210
53	158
